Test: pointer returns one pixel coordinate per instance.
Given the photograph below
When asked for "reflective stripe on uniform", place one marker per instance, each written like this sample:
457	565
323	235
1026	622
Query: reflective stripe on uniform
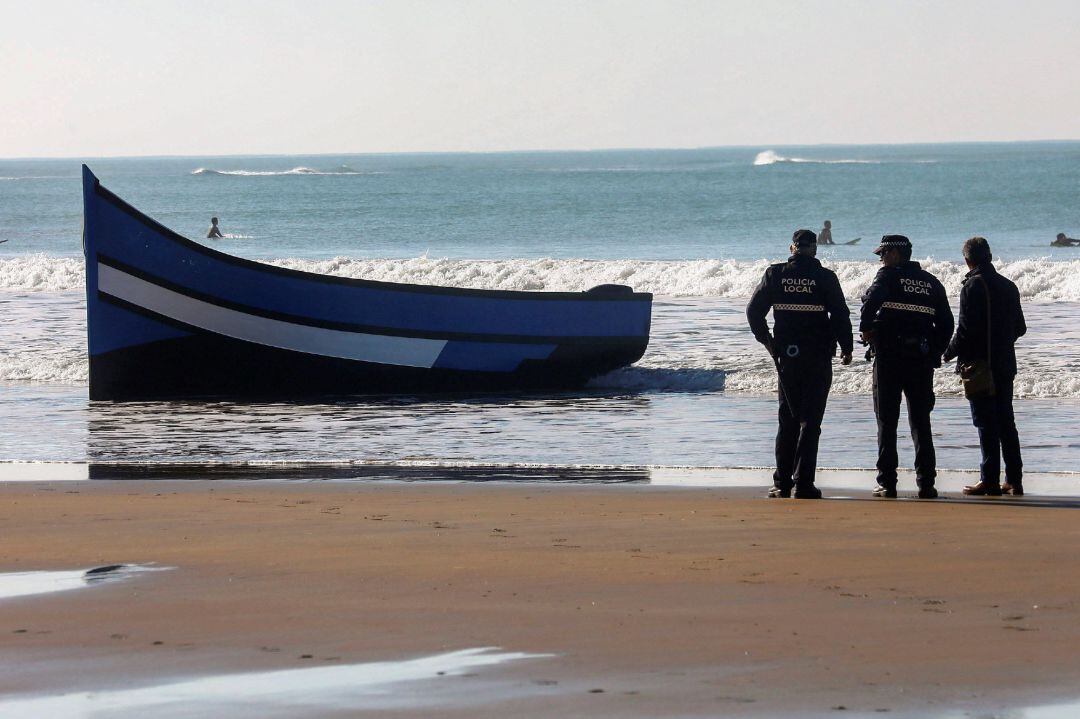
908	308
800	308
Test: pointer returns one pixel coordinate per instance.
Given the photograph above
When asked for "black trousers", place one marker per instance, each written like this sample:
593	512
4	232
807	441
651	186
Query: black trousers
993	417
804	389
894	376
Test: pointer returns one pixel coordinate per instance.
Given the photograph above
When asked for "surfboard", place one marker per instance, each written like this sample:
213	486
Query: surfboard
853	242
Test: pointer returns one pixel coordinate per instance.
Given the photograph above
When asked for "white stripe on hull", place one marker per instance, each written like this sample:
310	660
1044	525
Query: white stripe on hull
383	349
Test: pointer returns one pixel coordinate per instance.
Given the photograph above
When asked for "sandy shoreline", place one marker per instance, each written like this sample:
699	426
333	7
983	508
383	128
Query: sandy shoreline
673	601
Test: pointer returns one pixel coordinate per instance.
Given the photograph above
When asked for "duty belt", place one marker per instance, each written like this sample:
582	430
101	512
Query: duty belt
908	308
800	308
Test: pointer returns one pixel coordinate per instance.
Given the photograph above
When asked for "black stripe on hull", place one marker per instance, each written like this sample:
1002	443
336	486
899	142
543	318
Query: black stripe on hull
207	365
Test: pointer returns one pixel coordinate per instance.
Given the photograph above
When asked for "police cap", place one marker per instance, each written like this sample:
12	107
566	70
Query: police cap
889	242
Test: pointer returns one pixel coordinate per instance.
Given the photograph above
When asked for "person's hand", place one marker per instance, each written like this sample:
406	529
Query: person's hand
845	358
867	337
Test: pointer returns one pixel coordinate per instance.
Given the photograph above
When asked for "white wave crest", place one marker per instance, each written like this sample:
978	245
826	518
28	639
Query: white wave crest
275	173
1039	279
66	365
770	157
41	273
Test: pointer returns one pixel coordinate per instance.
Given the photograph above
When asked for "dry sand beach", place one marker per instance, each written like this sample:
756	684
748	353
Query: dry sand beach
650	601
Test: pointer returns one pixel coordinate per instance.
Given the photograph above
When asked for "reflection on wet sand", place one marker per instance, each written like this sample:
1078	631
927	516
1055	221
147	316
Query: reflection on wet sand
286	692
344	471
24	584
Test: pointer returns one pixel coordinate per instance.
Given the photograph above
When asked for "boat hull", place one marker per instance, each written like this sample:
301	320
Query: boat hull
170	318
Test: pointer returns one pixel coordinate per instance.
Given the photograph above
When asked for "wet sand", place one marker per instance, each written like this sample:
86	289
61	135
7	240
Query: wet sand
657	601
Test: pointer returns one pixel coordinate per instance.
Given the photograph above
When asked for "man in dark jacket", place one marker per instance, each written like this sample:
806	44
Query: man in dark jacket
990	304
809	318
907	321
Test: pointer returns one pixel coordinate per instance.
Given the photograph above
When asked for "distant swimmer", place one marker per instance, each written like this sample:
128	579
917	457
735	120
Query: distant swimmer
1063	241
825	236
215	231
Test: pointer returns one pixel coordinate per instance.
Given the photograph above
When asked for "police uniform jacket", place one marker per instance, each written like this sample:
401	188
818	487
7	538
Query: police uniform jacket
1006	321
909	313
808	307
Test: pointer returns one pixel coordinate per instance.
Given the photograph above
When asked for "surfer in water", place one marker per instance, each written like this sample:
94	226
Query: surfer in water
215	231
825	236
1063	241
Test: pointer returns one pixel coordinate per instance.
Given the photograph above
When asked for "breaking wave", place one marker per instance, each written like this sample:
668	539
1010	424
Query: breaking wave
41	273
1039	279
1045	379
771	157
343	170
57	365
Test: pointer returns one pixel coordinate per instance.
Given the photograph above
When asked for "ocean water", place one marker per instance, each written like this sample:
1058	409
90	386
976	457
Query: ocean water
695	227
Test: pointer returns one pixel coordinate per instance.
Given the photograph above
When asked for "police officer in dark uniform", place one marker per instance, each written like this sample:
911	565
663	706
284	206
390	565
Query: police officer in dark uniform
907	321
810	317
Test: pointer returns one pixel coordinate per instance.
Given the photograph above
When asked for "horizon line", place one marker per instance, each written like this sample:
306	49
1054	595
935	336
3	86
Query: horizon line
539	151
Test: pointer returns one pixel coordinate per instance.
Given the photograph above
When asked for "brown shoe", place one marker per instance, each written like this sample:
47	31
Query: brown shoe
1016	490
983	489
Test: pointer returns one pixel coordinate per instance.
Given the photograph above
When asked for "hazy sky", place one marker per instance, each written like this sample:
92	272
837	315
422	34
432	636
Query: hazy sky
91	78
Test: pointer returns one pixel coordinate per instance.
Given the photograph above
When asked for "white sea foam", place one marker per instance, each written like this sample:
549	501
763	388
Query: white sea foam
276	173
699	342
770	157
1039	279
58	365
41	272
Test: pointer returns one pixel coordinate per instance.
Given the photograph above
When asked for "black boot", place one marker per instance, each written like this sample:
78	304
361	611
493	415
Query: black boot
807	492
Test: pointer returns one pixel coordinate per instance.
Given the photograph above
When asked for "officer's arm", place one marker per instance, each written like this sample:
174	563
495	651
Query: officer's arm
839	316
757	310
872	299
943	320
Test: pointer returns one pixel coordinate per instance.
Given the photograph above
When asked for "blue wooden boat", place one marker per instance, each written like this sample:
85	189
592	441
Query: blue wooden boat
168	317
